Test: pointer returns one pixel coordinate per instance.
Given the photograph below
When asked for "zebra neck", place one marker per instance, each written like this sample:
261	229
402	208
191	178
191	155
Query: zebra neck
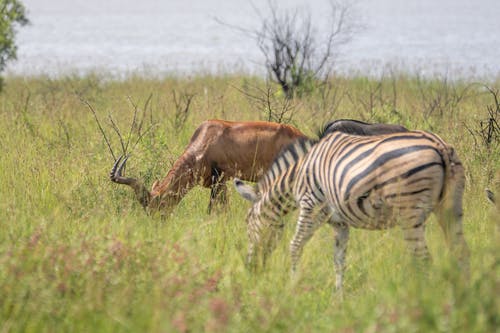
276	186
278	199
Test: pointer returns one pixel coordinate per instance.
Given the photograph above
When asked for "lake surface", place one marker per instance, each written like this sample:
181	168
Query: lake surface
158	37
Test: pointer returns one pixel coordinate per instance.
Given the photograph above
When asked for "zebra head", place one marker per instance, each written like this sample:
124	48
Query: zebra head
253	215
246	191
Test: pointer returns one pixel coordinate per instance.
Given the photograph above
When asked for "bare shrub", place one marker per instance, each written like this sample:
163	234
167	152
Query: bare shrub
328	102
486	136
441	97
267	100
182	102
136	130
376	100
296	53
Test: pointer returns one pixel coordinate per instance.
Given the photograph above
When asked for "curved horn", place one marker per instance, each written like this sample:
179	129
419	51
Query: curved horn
141	192
116	172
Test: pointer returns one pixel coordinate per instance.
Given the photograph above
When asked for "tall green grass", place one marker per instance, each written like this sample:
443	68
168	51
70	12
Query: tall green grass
77	253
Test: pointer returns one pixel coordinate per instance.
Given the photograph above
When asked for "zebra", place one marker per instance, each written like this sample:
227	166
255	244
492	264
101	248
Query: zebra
368	182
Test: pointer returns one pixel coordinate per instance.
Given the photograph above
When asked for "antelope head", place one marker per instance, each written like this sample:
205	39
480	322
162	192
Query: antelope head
141	192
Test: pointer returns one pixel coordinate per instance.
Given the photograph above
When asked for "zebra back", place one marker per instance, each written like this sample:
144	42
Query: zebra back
368	180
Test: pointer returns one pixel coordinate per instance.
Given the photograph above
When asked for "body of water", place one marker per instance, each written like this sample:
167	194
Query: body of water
158	37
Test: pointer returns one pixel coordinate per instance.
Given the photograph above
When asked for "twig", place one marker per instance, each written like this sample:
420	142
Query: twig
117	131
134	119
141	135
99	125
146	104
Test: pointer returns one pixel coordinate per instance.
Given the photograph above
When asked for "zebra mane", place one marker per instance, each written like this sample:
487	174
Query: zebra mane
356	127
342	125
287	157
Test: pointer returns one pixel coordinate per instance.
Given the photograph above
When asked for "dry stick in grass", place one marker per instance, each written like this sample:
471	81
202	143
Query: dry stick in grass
140	124
125	146
181	111
117	131
146	104
134	120
100	127
141	135
266	103
489	129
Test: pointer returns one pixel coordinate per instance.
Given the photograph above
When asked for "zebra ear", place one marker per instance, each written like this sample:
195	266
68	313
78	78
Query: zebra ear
245	191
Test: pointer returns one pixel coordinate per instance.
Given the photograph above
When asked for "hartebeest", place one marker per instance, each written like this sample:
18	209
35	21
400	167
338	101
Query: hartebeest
219	150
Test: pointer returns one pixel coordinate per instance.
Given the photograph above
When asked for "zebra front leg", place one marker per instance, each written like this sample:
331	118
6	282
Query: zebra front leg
340	250
251	257
303	232
272	238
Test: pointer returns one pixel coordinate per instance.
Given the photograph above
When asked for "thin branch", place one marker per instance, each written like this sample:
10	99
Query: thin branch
146	104
117	131
134	119
99	126
141	135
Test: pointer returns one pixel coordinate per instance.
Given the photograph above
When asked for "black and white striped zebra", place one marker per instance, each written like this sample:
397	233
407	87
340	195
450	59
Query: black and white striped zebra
369	182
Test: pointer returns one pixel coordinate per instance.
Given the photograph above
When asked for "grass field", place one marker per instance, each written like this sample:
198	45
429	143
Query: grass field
78	253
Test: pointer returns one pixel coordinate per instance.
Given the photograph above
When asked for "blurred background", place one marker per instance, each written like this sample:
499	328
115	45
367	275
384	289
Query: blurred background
153	37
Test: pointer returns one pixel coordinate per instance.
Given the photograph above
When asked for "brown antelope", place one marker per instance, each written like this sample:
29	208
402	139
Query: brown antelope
219	150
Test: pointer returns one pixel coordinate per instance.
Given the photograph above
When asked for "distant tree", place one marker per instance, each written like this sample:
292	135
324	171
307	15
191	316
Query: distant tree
12	13
296	52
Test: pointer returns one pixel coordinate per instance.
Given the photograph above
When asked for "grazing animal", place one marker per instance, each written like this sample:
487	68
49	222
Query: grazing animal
218	150
368	182
356	127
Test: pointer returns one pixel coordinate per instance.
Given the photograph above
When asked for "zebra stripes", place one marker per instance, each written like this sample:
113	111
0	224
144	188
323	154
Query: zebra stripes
371	183
264	227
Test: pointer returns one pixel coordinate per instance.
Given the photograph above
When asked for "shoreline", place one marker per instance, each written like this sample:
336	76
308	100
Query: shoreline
150	72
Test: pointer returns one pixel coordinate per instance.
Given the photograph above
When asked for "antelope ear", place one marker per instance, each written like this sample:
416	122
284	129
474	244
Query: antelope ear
245	191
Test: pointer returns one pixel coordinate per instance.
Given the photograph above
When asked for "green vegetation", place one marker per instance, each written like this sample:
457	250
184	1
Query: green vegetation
12	13
78	254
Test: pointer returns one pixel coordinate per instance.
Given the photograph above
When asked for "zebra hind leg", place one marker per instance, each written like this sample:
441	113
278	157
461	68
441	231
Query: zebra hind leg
449	215
414	236
340	250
